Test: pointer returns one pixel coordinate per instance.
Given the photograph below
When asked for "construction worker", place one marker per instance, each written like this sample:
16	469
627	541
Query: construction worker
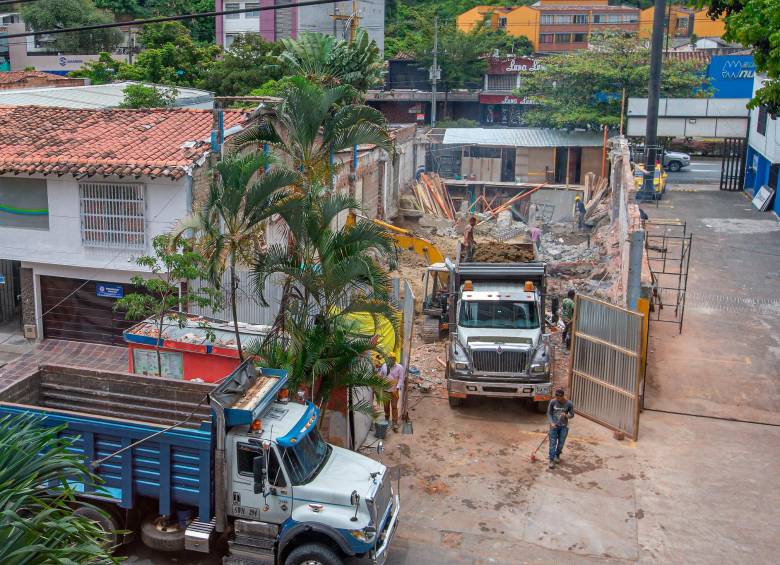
559	412
468	238
580	208
394	374
536	237
567	315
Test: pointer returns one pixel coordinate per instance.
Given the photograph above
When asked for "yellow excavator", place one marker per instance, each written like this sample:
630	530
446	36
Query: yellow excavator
434	304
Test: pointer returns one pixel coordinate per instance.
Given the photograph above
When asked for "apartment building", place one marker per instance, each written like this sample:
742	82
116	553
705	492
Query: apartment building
332	19
556	25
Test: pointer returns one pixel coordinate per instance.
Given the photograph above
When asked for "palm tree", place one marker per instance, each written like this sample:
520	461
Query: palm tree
328	274
37	524
312	123
328	61
229	228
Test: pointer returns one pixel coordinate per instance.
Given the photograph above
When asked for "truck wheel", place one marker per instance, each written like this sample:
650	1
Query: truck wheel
674	166
455	402
541	406
103	520
158	534
430	329
313	554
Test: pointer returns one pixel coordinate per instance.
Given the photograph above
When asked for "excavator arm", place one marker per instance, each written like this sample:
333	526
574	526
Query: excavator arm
405	239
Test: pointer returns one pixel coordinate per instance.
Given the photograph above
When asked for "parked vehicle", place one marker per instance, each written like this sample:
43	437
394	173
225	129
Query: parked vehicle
675	160
255	467
497	343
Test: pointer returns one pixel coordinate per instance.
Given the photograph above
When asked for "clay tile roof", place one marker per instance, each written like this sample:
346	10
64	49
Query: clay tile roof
49	140
12	77
698	56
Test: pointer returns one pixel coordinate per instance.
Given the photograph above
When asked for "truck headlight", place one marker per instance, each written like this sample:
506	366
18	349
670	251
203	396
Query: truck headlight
540	368
541	361
367	534
458	366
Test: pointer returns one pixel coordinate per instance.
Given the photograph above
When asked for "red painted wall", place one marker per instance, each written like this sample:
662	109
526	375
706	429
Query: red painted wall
195	365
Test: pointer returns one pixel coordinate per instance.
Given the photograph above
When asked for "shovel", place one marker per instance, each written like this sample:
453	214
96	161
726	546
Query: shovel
533	453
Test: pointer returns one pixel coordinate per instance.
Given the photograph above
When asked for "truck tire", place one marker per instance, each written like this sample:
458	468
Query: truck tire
674	166
160	536
430	329
313	554
103	520
541	406
456	402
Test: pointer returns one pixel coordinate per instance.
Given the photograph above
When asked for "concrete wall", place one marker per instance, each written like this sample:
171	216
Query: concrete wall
166	202
768	143
561	199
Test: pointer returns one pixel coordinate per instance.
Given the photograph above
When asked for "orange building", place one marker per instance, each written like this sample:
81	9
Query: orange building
703	26
679	21
493	16
557	25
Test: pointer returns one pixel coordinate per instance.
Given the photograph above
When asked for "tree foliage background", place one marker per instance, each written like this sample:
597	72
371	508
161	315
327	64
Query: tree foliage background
583	89
756	24
50	14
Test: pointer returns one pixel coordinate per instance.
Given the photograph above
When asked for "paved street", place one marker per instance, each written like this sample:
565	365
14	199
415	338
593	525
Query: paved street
701	170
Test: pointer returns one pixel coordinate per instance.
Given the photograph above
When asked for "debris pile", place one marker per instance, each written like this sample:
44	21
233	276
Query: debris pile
433	198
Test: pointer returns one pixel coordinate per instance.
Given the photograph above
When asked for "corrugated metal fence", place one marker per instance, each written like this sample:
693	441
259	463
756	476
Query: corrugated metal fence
606	359
249	308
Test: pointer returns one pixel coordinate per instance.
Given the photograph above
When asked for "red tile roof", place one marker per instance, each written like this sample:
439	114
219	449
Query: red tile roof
698	56
11	77
148	142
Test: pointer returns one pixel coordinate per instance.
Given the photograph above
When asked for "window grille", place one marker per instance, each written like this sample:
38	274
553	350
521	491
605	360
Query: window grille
112	215
501	82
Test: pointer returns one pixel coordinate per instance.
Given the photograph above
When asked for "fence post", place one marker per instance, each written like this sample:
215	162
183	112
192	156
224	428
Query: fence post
635	252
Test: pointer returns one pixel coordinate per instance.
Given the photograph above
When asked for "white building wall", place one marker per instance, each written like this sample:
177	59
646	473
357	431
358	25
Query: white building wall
166	202
767	144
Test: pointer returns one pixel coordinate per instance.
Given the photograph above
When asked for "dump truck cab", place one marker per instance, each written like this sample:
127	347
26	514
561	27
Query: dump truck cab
293	498
498	347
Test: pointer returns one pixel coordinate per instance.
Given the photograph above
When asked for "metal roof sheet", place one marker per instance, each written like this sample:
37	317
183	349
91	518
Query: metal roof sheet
522	137
94	97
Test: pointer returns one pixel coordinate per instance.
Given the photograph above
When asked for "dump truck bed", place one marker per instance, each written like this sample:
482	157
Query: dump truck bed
105	412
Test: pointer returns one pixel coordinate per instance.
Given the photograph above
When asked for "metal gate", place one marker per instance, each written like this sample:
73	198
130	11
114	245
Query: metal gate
9	291
732	172
605	364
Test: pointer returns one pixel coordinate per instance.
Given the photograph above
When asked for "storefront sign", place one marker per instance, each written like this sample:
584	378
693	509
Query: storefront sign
110	290
502	99
513	65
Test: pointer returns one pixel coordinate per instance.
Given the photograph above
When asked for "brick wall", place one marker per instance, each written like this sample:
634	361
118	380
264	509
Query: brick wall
28	295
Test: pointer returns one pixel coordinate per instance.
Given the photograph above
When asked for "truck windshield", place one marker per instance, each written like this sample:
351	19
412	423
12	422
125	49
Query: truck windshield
498	315
306	458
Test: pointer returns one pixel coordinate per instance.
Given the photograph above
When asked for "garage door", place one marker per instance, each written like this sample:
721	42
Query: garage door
80	315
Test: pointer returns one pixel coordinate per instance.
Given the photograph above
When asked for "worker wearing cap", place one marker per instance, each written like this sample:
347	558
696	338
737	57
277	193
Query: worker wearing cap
559	412
394	374
580	208
468	237
567	315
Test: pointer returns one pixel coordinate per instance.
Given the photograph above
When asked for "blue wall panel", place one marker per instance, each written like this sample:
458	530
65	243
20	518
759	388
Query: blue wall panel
731	76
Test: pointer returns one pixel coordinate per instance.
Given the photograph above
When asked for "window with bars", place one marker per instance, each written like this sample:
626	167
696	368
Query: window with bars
252	14
232	6
581	19
112	215
501	82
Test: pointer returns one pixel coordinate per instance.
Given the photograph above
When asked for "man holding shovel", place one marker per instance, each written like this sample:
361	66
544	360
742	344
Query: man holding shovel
559	412
394	374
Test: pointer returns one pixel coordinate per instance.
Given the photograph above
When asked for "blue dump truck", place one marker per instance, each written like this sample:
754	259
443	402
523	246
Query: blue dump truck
187	464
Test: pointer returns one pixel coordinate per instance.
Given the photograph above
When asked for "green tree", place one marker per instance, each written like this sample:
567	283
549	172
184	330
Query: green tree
170	56
311	123
103	71
328	61
142	96
755	24
229	228
328	273
248	64
161	293
583	89
37	524
202	29
50	14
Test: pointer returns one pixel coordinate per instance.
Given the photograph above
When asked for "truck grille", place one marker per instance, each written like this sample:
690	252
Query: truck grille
505	362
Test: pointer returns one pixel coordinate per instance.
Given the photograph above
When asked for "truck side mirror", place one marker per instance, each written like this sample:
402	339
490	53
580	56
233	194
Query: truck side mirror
258	471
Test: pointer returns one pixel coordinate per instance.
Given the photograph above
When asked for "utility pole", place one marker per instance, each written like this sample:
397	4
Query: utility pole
435	71
653	93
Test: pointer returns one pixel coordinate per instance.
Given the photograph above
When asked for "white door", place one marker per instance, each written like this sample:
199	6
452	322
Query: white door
273	507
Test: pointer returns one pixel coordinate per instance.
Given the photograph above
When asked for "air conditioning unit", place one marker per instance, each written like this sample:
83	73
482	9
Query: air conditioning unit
30	331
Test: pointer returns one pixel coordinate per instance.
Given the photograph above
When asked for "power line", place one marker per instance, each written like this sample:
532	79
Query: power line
169	18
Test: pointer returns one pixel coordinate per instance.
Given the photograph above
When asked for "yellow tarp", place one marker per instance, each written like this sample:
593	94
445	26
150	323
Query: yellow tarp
369	325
